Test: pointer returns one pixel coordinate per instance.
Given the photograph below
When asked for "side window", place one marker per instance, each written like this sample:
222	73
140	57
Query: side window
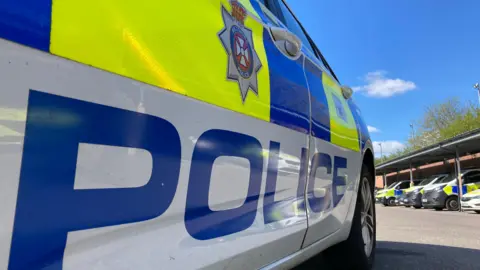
265	6
472	177
404	185
279	8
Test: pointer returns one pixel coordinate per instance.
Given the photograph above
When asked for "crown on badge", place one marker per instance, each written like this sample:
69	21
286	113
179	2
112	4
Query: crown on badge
238	12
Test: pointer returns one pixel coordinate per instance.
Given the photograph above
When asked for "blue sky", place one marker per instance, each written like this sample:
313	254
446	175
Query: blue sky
401	56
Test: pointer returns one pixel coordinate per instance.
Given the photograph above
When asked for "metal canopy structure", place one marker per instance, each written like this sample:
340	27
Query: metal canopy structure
460	145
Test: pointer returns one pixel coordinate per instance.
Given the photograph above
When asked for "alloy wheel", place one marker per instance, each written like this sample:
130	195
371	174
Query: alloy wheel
367	220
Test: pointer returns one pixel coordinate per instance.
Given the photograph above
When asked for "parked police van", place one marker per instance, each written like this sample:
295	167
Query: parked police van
414	194
176	135
444	194
388	195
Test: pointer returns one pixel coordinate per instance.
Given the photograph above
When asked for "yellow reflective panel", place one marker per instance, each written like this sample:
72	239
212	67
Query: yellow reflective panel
471	187
476	191
171	44
343	129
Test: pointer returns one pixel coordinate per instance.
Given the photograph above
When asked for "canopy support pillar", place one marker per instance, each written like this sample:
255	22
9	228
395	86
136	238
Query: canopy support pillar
458	170
411	175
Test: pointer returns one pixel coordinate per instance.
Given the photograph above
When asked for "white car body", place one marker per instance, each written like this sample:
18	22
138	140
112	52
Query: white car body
105	170
471	201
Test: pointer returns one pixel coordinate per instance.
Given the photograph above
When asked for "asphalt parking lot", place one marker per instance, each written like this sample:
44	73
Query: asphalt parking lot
410	238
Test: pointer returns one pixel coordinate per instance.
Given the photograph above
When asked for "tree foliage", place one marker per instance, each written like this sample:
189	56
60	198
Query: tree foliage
439	122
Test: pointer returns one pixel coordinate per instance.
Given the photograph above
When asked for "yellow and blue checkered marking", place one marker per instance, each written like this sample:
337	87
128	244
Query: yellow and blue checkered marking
165	44
453	190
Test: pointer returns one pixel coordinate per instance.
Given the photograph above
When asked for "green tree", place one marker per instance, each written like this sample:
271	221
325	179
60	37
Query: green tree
440	122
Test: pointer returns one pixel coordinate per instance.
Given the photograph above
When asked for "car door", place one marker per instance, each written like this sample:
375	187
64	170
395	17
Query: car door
176	137
471	181
334	147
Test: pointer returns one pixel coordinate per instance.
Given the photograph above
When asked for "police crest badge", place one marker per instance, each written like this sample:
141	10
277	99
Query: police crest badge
243	61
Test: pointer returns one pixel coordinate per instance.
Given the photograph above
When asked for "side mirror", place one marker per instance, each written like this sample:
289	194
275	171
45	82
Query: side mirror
347	92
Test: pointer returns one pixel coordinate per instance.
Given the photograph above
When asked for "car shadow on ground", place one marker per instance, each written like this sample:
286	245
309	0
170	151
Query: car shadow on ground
412	256
398	255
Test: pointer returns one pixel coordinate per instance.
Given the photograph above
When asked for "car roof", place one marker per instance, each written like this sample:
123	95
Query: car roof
470	170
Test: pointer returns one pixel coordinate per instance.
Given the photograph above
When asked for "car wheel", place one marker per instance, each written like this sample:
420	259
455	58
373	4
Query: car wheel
407	206
417	207
477	211
360	244
391	202
452	203
438	208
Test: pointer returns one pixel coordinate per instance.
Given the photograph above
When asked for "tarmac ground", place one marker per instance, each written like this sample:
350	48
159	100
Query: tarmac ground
425	239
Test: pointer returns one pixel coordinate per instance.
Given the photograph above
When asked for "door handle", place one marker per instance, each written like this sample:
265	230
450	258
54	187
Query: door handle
287	42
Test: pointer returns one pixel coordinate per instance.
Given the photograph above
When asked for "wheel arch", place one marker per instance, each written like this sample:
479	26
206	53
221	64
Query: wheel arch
369	160
448	198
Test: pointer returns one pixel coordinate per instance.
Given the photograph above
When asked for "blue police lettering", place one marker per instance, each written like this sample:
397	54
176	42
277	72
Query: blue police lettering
269	204
338	181
319	160
324	160
48	207
220	223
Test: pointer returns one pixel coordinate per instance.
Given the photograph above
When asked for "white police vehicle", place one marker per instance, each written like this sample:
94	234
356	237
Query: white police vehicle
176	135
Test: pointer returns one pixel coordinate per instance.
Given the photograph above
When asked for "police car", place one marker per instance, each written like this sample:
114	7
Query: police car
401	194
413	195
471	201
444	194
388	196
176	135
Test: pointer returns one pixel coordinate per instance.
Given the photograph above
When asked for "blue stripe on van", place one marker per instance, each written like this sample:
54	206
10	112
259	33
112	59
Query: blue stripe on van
455	189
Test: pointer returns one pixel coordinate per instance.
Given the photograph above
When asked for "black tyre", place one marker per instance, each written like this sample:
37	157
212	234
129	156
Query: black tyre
360	244
477	211
417	207
407	206
391	202
438	208
452	203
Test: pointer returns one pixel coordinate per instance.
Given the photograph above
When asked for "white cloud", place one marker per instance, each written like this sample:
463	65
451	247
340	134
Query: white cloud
372	129
387	147
378	85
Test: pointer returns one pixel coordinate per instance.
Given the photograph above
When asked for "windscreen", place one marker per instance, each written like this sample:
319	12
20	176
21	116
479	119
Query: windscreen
428	180
447	179
392	185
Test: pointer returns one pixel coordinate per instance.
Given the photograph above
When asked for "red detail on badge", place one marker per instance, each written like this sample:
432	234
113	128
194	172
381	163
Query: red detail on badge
238	12
242	52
